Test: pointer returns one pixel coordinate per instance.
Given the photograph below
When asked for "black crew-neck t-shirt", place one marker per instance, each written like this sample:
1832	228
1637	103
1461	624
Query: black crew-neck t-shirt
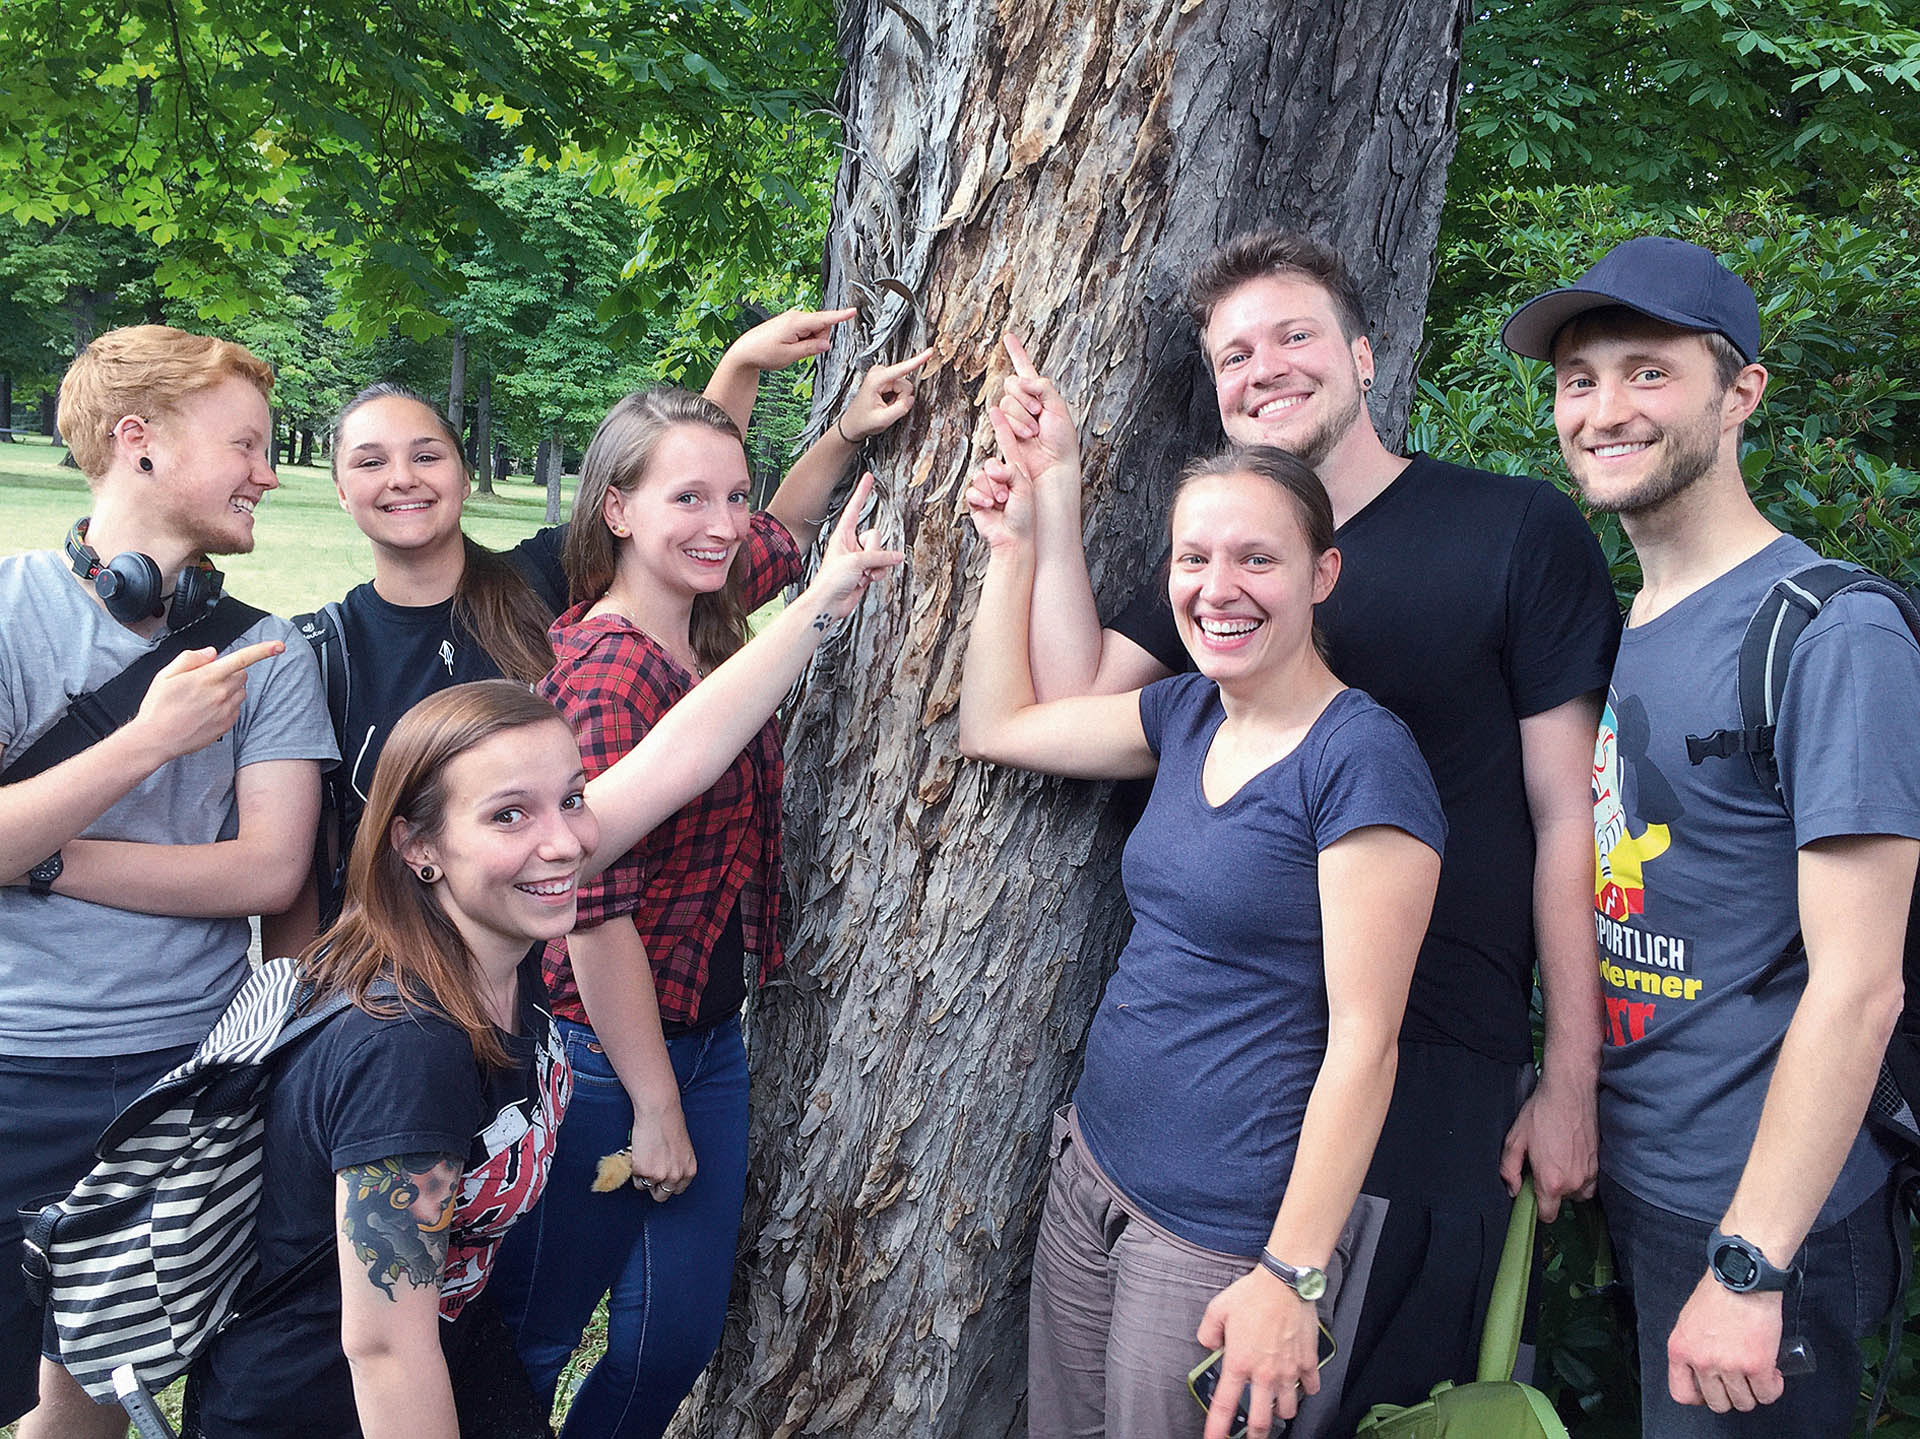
397	655
357	1090
1467	602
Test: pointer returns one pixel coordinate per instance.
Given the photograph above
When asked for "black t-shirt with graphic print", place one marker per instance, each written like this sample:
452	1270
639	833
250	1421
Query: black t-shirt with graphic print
1467	601
362	1089
397	655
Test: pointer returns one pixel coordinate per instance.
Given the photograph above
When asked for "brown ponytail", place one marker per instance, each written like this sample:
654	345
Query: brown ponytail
506	618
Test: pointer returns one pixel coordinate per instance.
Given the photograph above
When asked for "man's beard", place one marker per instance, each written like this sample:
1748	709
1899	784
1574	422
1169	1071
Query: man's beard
1691	454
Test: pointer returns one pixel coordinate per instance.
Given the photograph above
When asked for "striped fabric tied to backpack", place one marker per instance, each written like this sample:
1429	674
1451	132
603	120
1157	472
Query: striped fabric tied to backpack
142	1262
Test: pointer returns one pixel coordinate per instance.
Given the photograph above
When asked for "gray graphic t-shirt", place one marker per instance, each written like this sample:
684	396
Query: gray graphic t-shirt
1695	891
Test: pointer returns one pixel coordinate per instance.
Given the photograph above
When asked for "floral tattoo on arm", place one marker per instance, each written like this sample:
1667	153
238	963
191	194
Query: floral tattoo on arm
398	1215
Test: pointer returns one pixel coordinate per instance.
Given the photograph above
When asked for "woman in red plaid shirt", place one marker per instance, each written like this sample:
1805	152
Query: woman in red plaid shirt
665	563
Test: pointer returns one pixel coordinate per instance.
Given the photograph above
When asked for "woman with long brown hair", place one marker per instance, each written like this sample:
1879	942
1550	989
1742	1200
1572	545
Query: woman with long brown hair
665	563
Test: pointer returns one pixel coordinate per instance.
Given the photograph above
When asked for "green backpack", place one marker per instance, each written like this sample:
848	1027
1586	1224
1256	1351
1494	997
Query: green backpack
1495	1405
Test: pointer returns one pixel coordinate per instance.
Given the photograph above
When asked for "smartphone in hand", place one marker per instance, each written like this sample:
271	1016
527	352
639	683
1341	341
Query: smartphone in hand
1204	1379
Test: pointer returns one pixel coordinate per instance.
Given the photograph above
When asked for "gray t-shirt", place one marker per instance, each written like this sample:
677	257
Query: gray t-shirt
78	978
1695	895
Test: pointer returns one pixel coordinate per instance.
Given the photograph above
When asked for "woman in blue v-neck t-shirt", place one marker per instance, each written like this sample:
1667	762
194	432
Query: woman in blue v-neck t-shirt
1239	1064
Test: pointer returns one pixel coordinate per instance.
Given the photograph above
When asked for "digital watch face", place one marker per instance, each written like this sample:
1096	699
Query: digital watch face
1735	1266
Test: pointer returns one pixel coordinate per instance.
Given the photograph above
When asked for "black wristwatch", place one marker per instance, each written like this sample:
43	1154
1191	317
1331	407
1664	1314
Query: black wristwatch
41	877
1309	1283
1741	1267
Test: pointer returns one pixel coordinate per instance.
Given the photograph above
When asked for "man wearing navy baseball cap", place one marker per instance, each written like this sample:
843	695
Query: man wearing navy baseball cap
1751	933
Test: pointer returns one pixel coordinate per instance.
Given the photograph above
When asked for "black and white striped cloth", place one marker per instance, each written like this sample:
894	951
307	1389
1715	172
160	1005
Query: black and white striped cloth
142	1261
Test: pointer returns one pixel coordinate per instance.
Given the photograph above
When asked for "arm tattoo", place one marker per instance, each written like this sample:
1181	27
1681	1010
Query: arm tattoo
398	1214
820	622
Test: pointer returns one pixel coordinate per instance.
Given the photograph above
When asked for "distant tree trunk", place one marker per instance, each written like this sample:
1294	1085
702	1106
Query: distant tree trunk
482	440
306	445
50	415
1056	169
552	460
457	385
502	462
6	408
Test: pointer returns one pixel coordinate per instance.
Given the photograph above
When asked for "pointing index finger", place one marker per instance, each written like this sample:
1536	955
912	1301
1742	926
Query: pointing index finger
1017	352
909	365
243	659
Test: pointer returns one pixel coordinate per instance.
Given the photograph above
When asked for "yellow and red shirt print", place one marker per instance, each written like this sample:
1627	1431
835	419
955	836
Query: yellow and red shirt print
1638	967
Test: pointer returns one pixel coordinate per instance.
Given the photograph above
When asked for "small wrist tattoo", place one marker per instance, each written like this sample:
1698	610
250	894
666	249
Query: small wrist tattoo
820	622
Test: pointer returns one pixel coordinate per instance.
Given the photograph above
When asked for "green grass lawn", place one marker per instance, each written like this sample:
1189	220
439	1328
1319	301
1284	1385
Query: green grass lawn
306	550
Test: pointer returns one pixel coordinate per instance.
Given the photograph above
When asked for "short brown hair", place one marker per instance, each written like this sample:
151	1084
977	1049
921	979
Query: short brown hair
145	370
616	459
1270	251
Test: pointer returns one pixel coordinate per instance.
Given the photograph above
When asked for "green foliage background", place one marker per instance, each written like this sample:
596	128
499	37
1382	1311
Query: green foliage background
593	193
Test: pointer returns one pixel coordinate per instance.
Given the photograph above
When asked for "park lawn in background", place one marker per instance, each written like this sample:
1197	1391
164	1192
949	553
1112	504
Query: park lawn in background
306	550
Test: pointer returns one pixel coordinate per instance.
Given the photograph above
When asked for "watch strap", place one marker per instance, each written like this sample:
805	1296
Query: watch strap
1306	1281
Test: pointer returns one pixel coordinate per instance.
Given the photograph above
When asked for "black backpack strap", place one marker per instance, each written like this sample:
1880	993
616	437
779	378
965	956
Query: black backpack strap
1766	654
93	716
325	631
1906	1184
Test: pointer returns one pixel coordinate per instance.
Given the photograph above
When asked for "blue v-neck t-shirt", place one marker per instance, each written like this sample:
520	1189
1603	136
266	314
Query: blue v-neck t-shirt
1208	1039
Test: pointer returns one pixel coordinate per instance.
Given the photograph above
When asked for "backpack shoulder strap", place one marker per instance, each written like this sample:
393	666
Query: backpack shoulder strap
1766	654
325	631
93	716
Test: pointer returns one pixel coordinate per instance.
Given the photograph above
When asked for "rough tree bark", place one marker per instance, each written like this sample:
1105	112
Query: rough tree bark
1056	169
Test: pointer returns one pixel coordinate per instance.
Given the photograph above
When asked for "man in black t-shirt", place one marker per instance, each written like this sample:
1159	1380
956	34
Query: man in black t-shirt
1477	607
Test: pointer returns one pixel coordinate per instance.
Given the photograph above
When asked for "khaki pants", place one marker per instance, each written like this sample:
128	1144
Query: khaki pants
1116	1300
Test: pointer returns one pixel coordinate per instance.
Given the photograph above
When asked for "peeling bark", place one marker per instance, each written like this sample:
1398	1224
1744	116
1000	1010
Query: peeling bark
1055	169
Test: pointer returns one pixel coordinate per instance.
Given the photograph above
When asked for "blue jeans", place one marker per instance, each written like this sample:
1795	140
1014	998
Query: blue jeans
667	1267
1848	1276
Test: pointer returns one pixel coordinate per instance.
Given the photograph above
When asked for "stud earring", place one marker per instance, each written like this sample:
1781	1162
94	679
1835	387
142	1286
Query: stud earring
428	874
1367	383
146	464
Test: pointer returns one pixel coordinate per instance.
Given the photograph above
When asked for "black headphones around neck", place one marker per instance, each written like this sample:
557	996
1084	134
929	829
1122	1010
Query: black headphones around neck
129	584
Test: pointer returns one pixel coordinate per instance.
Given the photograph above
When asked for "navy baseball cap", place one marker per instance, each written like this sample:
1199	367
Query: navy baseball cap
1657	275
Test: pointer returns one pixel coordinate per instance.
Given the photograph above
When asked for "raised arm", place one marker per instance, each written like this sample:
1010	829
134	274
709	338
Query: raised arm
1557	1129
773	344
1092	737
394	1216
191	703
881	401
1376	896
1853	893
690	746
1071	654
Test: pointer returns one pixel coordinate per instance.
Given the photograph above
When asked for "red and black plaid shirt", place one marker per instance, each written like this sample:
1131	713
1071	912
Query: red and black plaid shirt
613	683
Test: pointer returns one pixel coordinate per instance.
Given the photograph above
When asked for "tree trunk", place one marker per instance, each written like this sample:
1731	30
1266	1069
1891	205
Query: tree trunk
483	437
553	457
6	408
457	385
502	462
306	445
1055	169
